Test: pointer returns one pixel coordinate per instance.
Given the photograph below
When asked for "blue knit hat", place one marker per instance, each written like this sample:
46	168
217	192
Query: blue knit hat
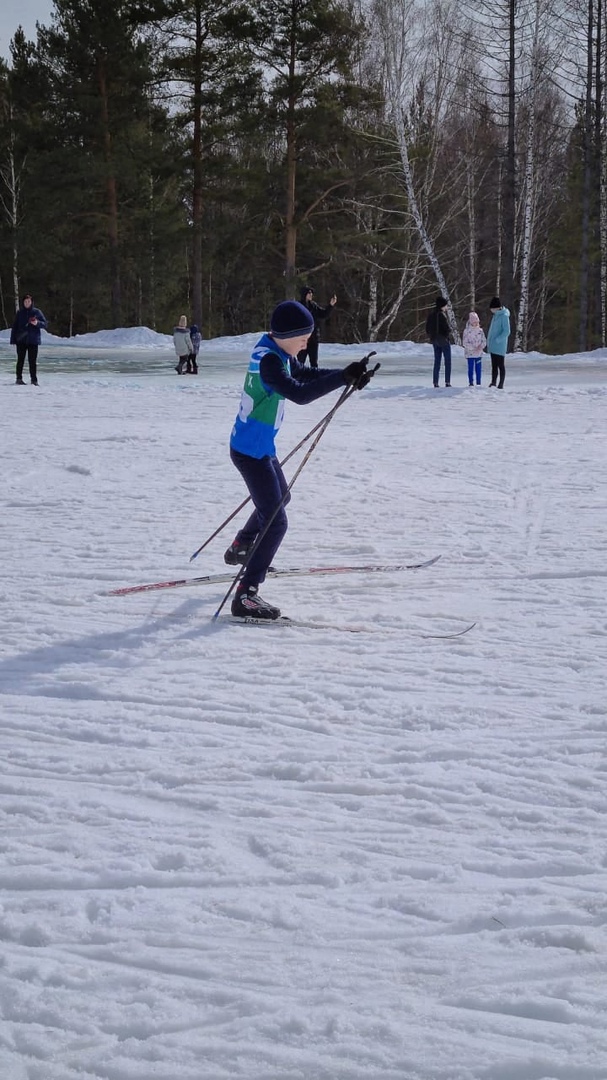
291	319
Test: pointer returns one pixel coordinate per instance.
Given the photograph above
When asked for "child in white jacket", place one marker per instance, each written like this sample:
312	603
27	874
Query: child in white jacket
474	342
182	342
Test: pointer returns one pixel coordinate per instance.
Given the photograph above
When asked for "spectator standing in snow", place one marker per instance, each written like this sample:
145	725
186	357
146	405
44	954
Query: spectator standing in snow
474	342
497	341
182	342
439	332
195	338
318	314
274	374
26	336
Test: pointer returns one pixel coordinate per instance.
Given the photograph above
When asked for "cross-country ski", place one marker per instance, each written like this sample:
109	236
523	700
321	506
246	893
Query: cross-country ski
284	622
294	571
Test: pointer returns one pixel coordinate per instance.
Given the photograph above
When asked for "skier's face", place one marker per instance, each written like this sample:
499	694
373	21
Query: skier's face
293	345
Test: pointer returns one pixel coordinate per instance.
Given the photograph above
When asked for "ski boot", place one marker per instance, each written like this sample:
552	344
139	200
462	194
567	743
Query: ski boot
248	604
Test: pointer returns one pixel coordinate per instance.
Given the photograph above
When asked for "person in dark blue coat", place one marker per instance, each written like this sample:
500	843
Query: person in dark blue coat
26	336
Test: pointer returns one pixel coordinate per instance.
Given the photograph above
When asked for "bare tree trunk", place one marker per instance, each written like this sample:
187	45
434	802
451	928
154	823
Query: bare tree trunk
152	257
290	225
472	240
2	307
11	178
602	154
111	194
197	191
500	229
529	191
385	322
372	311
509	178
543	293
396	28
586	188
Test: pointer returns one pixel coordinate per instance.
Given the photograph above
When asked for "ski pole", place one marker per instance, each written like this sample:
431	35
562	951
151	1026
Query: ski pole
347	393
284	461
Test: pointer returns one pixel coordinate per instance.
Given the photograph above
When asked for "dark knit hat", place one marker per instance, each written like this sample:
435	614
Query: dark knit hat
291	319
441	302
495	303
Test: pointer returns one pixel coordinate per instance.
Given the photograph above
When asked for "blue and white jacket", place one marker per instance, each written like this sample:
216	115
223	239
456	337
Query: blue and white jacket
272	376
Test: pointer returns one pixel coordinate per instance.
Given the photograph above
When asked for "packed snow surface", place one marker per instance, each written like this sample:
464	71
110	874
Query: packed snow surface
248	853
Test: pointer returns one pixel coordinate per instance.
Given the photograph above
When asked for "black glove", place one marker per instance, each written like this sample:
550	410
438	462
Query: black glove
355	372
364	380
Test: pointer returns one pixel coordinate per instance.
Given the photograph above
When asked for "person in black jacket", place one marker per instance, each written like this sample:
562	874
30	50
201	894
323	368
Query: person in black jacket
318	313
439	331
25	335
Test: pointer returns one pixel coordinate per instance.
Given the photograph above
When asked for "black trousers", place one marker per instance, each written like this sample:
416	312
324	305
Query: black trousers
267	487
32	359
498	368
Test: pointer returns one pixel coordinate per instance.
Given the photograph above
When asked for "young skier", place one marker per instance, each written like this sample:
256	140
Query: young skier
474	341
274	374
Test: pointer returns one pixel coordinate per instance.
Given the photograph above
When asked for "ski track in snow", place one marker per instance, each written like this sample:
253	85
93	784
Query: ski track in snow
304	855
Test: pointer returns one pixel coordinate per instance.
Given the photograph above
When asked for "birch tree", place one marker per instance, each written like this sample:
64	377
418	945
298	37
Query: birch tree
530	186
11	167
603	197
419	52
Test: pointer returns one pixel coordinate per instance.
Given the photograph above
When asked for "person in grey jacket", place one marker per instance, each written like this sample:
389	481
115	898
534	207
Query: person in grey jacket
26	336
182	342
497	341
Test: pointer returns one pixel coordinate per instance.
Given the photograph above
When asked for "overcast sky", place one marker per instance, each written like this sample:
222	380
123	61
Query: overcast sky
25	13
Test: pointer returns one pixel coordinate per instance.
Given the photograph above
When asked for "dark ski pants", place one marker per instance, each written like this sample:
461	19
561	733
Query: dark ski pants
475	364
310	352
32	359
267	487
439	352
498	369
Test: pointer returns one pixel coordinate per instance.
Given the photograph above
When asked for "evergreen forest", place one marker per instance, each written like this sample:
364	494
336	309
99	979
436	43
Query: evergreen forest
211	157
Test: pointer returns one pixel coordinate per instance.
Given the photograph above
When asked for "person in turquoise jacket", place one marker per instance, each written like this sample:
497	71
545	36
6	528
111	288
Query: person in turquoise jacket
497	341
274	374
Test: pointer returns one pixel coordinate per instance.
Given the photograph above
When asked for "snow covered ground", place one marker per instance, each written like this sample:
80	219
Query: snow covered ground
292	854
